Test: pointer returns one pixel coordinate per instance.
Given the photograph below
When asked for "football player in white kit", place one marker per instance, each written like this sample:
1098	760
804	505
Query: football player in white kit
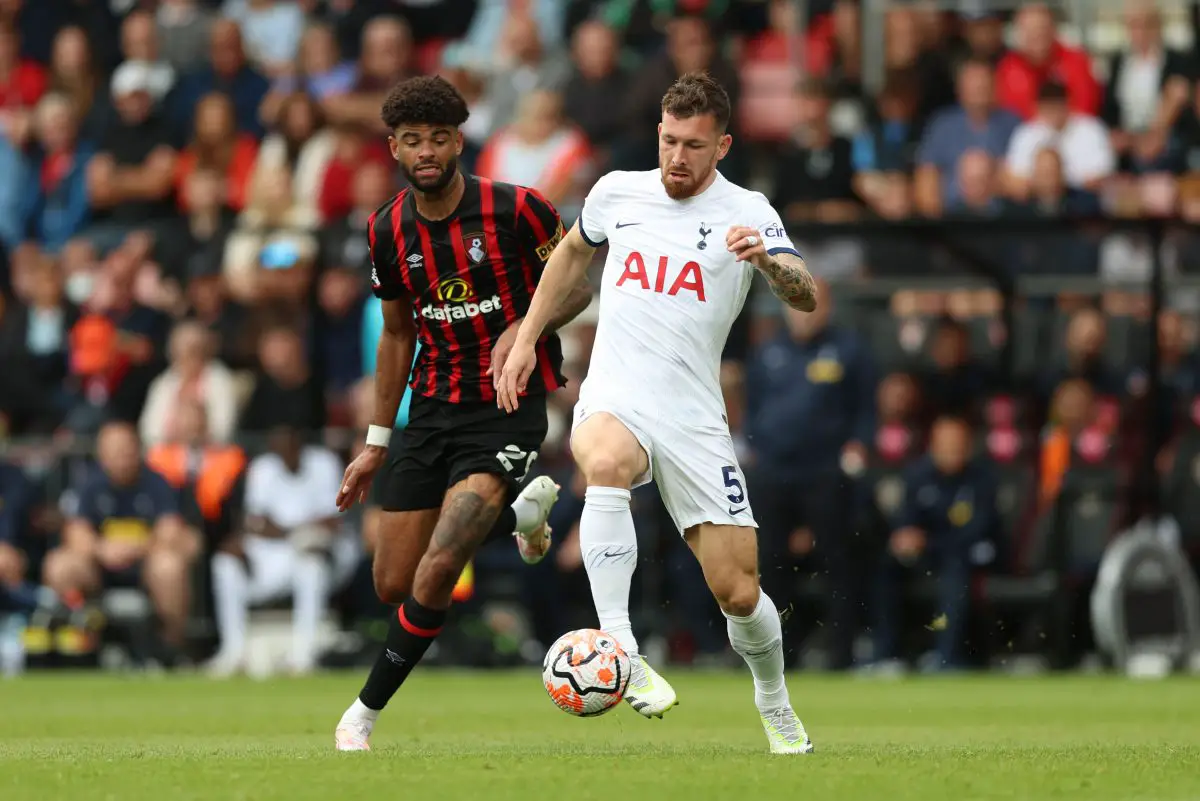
683	245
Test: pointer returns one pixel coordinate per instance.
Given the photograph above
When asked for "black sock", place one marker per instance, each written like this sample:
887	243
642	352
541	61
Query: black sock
504	526
410	633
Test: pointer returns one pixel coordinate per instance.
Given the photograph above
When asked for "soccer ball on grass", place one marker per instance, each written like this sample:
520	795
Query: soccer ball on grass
586	673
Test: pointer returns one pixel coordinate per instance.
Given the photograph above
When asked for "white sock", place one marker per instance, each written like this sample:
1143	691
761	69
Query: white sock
527	512
758	637
231	596
310	588
609	545
360	711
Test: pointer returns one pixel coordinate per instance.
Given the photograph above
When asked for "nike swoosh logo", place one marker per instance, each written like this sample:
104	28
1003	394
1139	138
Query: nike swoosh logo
737	511
626	225
614	555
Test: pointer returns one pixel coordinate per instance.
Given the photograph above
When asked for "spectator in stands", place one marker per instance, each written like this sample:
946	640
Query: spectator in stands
271	30
945	528
14	182
57	194
1072	411
488	26
270	256
541	150
352	147
184	30
196	243
291	544
889	143
285	392
192	376
597	84
1039	57
42	323
320	73
1082	142
977	194
139	43
926	68
815	173
1070	251
955	384
386	58
17	594
75	73
1148	87
228	322
1179	370
524	64
227	72
207	474
810	411
217	146
126	531
300	144
131	179
22	80
976	124
983	34
1083	356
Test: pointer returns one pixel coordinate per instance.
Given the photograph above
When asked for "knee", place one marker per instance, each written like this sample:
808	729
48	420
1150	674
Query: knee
64	570
165	569
391	585
737	595
610	470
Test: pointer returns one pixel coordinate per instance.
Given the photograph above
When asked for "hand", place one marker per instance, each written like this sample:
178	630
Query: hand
356	482
907	543
515	376
747	244
115	554
12	566
500	351
801	542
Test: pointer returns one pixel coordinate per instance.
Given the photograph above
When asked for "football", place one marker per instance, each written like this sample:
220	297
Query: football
586	673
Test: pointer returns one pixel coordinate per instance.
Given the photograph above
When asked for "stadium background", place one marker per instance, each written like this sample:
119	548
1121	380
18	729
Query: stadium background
200	274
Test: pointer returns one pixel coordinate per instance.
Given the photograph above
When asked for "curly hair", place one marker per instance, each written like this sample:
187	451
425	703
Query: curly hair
697	93
424	101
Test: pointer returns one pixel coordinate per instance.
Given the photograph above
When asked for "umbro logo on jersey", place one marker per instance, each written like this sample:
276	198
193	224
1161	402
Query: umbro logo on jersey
415	259
621	225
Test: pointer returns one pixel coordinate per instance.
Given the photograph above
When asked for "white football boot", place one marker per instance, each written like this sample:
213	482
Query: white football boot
785	732
534	542
648	693
353	734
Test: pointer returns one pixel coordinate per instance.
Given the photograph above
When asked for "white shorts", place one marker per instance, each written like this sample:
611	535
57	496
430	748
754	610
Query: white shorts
273	561
694	465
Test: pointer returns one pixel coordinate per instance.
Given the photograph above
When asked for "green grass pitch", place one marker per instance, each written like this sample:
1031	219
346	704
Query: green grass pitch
496	736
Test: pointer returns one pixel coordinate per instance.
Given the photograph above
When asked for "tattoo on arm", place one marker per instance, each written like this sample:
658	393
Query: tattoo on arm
572	306
464	523
791	281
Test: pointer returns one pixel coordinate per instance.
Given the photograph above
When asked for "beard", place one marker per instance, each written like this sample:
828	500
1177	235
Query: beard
678	189
432	186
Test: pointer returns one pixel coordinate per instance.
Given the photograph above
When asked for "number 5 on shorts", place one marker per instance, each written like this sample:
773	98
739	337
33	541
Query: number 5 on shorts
731	481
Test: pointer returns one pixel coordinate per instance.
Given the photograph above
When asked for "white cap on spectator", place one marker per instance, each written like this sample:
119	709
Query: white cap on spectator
133	76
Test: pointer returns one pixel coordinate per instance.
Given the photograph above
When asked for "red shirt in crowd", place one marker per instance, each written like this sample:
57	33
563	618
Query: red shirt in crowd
1018	81
25	86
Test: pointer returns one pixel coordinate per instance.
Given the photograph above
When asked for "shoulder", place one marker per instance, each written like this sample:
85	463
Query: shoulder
153	481
263	467
385	211
943	119
623	181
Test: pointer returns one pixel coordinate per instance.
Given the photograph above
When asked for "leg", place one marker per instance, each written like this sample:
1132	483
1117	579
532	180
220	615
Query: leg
728	555
403	539
888	601
612	460
231	599
311	585
167	578
68	572
954	601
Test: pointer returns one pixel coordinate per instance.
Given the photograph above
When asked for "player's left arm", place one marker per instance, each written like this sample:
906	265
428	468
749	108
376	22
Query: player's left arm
772	253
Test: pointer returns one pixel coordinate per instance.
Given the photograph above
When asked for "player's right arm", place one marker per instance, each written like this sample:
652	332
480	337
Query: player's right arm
564	272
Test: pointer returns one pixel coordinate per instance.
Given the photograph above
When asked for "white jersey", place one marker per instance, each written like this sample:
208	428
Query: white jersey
670	290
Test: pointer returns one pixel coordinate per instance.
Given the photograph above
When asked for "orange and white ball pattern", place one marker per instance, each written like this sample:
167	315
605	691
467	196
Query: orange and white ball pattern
586	672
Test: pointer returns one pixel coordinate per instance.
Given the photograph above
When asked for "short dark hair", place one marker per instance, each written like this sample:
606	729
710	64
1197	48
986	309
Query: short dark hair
424	101
694	94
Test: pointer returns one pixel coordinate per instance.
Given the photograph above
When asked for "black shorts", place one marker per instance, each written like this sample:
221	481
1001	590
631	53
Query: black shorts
446	442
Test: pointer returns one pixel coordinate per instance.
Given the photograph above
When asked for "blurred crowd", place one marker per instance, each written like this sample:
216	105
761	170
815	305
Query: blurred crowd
184	189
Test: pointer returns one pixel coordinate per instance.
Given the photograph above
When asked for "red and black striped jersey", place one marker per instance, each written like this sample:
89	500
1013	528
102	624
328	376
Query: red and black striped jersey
469	277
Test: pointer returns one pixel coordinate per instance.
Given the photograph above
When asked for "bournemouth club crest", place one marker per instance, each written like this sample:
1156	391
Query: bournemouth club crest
476	247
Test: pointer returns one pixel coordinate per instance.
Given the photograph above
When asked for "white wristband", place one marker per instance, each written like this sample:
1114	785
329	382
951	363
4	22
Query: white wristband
379	436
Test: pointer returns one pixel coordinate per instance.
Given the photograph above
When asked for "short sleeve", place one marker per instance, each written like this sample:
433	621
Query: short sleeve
764	218
594	217
257	487
385	271
539	228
